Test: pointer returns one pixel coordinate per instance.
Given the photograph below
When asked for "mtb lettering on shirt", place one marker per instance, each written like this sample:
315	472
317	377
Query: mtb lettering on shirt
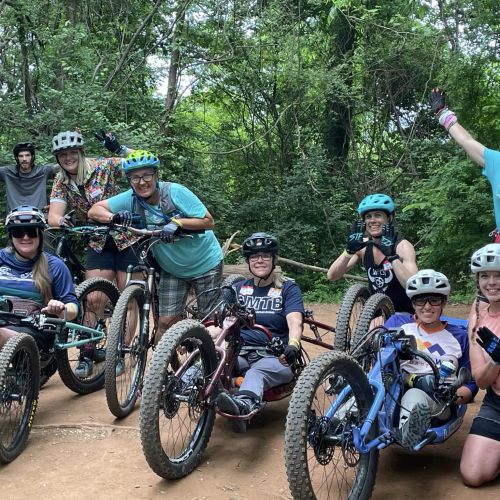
382	279
448	341
271	305
16	279
492	171
188	257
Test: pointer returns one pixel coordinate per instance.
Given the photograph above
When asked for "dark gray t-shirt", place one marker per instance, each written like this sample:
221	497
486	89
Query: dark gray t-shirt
27	189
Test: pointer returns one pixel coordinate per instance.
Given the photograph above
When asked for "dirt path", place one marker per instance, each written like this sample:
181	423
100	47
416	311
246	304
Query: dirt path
77	450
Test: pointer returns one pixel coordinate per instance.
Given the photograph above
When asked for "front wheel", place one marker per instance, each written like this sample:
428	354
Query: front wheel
331	398
19	386
348	316
97	297
177	416
127	352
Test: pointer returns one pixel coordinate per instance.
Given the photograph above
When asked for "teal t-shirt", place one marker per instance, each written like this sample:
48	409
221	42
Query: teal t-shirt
492	172
188	257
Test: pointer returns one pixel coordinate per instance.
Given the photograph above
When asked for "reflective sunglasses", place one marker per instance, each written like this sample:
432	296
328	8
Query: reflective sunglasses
20	232
135	179
264	256
433	301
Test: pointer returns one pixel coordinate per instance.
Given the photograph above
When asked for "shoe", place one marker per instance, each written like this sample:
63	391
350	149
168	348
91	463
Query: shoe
84	368
233	405
100	355
414	429
120	367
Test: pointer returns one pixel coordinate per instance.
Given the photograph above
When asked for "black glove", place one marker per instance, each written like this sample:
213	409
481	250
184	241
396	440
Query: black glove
123	217
388	239
489	342
291	354
169	231
437	101
355	238
275	345
108	140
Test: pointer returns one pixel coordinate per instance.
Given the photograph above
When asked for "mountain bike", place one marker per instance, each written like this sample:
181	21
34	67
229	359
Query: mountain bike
340	417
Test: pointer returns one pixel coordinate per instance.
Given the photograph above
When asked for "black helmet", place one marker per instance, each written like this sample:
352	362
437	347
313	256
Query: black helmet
23	146
259	242
27	216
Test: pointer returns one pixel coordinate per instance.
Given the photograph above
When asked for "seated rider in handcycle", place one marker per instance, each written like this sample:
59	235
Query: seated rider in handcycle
446	344
29	273
279	307
388	260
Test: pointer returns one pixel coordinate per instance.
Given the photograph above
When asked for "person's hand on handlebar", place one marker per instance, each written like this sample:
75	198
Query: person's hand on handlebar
170	231
66	221
123	218
55	307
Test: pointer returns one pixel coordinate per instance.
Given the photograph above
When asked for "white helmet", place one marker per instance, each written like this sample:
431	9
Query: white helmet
67	140
486	258
428	281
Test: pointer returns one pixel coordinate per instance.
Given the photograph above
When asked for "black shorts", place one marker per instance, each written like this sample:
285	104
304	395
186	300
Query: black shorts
487	421
110	258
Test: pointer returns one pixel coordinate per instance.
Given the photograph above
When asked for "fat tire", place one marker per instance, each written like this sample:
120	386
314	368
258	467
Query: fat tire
152	412
64	364
346	326
297	428
121	407
20	346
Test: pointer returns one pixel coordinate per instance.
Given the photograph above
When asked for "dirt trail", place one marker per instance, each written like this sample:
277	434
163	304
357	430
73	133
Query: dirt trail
77	450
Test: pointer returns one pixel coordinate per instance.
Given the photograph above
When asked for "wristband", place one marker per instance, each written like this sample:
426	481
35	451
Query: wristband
447	118
177	221
295	343
345	253
392	258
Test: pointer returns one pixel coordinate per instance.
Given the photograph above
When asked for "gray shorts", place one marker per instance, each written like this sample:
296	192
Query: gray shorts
173	292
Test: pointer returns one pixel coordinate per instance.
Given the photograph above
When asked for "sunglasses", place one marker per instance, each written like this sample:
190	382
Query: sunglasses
263	256
433	301
135	179
20	232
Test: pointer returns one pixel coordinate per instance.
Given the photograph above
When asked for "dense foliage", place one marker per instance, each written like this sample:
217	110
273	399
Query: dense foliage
281	115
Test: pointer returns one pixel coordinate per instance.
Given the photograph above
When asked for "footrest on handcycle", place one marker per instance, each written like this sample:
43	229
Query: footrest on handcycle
429	438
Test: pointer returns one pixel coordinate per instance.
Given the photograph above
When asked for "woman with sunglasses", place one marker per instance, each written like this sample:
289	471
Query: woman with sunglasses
278	306
481	454
27	272
80	184
445	343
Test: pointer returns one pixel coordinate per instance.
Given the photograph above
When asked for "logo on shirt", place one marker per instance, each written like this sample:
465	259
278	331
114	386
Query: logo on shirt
380	278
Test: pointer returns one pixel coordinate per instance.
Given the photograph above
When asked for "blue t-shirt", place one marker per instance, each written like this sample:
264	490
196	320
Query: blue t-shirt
271	305
457	331
492	171
16	279
188	257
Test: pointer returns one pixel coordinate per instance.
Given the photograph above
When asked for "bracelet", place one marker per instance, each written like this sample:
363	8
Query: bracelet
447	118
345	253
294	342
392	258
177	221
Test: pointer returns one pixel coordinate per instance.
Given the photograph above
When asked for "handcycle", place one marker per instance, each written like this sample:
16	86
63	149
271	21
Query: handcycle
186	373
340	417
21	362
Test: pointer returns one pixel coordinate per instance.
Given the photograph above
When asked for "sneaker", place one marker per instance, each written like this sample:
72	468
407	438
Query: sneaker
414	429
84	368
120	367
234	405
100	355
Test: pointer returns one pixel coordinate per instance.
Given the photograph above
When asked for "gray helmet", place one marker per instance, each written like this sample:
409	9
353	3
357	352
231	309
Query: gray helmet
486	258
428	281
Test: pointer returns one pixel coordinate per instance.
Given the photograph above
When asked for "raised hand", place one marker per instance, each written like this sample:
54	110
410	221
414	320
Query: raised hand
489	342
108	140
355	238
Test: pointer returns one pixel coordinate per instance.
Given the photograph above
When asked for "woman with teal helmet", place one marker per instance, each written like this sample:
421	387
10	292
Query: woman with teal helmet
373	241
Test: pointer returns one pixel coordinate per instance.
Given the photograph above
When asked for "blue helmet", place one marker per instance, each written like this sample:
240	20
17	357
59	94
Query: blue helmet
140	159
376	201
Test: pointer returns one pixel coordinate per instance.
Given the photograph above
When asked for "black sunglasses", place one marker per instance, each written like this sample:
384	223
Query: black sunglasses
20	232
433	301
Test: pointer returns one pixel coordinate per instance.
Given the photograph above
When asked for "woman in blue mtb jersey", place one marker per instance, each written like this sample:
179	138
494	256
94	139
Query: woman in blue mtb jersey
481	455
444	343
41	279
279	307
388	260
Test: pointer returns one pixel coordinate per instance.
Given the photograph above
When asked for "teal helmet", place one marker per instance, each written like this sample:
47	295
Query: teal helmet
376	201
140	159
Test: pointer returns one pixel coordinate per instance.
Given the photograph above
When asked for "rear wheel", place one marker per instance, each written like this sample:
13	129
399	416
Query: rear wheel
19	386
127	352
97	298
376	311
320	457
176	417
348	316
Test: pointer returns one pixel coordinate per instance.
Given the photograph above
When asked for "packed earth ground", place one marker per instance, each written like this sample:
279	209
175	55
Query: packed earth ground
77	450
